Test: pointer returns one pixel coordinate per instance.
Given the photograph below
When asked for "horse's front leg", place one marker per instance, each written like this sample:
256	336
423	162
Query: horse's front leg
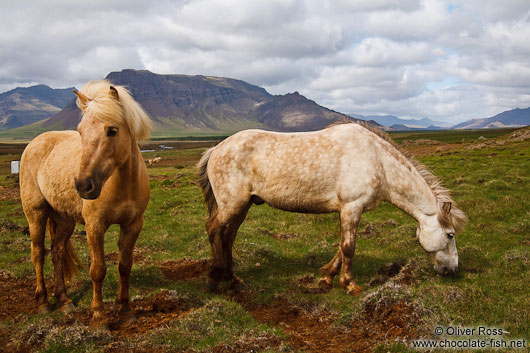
95	232
350	216
128	236
329	271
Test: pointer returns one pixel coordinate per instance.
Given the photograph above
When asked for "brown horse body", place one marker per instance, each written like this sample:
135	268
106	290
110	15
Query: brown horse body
96	177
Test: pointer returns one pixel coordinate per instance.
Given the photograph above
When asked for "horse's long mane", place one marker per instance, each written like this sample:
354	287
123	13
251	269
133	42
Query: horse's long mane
455	218
103	104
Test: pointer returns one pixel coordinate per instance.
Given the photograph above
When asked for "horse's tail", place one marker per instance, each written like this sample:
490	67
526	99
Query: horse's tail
204	181
71	262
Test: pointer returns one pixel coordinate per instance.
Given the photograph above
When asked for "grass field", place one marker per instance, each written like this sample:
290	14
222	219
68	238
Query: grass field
279	254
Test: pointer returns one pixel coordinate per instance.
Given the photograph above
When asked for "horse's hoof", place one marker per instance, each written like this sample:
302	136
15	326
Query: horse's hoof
353	289
45	309
68	308
325	284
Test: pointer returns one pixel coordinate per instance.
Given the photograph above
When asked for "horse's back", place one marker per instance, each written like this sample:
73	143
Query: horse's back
303	171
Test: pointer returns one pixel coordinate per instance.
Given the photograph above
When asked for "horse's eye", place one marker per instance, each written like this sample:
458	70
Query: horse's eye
450	235
112	131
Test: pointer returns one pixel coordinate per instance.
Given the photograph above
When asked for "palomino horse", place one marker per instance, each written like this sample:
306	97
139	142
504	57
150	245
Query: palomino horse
349	168
95	176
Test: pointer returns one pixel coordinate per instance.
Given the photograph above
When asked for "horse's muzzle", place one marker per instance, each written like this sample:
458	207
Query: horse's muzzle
446	270
87	189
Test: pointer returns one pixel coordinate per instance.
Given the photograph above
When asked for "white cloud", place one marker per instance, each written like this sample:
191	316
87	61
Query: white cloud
415	58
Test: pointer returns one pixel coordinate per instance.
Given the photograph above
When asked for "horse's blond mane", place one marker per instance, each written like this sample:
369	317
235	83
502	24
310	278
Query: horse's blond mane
103	104
455	218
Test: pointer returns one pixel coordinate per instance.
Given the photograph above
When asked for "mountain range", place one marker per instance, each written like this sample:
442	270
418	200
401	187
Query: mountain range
189	104
511	118
22	106
392	122
206	103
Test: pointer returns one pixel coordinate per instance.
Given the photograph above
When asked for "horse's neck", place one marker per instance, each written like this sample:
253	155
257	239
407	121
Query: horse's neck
409	191
128	172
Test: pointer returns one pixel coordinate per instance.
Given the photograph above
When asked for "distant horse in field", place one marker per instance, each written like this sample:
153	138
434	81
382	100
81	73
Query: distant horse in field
347	168
95	176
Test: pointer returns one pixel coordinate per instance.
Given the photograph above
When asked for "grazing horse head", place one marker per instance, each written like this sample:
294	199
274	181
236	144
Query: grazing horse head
112	122
436	235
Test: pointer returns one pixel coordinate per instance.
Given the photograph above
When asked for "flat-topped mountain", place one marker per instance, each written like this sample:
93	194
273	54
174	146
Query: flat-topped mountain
26	105
206	103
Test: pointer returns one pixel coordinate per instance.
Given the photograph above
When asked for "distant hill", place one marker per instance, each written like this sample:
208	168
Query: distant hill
511	118
401	127
294	112
404	124
206	103
23	106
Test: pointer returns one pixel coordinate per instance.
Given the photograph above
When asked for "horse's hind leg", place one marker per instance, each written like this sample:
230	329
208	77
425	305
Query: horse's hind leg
221	234
128	236
329	271
37	230
215	230
350	216
228	242
61	229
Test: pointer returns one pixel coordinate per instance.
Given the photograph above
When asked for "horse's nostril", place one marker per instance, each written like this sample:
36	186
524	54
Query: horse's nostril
85	185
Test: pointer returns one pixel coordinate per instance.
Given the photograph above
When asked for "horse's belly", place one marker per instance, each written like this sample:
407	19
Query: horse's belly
303	208
301	202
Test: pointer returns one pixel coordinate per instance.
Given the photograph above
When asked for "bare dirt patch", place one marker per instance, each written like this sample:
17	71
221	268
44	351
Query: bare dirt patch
310	328
313	329
387	315
390	314
8	225
387	322
151	313
17	296
11	193
184	269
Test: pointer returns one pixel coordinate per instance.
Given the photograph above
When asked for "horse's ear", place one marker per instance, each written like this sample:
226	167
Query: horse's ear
114	92
82	98
446	207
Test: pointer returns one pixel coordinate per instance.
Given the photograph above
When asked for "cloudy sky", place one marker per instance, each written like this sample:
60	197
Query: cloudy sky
446	60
